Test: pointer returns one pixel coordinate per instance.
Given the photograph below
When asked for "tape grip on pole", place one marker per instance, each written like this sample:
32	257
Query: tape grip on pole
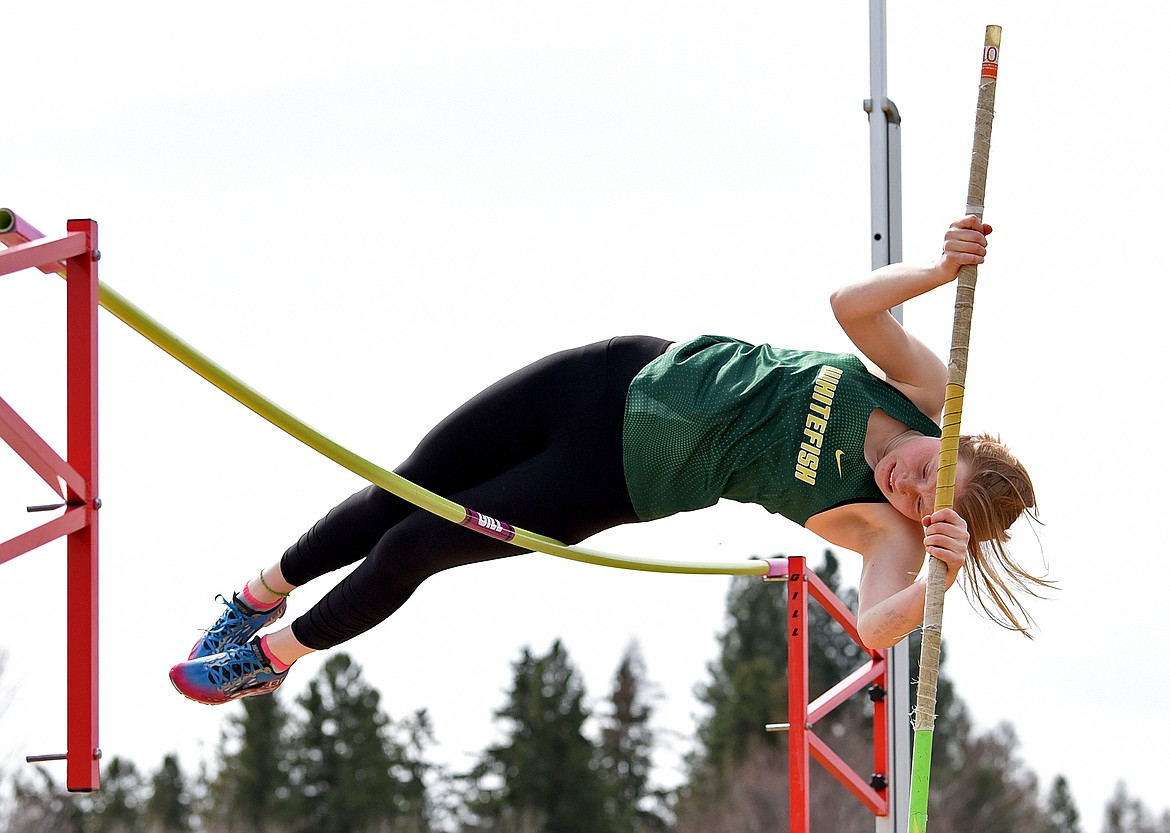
948	458
991	40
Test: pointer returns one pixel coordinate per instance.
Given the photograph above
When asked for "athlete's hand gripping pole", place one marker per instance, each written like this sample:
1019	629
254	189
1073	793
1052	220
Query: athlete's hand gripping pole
949	454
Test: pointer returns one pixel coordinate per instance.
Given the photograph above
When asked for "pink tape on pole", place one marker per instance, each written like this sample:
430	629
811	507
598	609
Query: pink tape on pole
487	525
777	567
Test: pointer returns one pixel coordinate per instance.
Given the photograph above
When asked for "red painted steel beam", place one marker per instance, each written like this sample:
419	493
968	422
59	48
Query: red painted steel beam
43	254
881	741
82	771
835	607
845	689
40	457
844	773
73	520
798	733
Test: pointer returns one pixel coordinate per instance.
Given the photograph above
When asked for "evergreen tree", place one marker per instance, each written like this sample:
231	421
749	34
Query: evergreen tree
250	791
348	776
168	810
409	741
995	792
117	806
42	806
543	777
743	693
1062	811
1124	814
627	745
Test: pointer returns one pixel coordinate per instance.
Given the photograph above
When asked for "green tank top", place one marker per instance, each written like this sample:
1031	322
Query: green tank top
719	418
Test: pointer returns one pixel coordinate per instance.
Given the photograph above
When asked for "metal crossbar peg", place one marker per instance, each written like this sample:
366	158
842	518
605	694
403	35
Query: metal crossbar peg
57	756
49	507
777	727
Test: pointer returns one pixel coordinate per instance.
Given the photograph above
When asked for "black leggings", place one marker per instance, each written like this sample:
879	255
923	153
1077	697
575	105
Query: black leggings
540	449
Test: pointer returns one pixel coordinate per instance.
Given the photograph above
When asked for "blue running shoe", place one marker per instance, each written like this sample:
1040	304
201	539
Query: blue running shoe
239	671
235	626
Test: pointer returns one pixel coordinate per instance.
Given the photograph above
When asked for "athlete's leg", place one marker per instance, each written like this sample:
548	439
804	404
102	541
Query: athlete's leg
541	449
509	422
569	489
543	491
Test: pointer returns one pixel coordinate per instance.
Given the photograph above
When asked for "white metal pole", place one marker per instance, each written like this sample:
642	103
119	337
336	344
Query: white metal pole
886	247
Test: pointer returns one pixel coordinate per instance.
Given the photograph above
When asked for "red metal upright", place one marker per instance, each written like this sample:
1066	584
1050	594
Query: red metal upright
82	432
76	480
798	723
803	742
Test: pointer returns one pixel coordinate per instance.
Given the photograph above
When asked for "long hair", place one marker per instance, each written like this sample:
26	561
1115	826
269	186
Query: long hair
996	493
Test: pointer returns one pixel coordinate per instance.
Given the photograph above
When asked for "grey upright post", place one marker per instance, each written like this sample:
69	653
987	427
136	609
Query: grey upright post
886	247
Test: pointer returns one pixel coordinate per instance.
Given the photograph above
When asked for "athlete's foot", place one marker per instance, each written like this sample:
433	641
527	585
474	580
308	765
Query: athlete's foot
238	623
238	671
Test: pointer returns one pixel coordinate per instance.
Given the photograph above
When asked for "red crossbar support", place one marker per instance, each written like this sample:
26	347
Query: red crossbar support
76	480
803	742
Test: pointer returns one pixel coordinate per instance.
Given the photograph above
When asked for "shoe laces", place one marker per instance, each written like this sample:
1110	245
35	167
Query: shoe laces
231	618
234	665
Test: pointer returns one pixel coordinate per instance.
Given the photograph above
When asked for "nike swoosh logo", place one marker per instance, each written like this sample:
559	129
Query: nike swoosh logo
840	454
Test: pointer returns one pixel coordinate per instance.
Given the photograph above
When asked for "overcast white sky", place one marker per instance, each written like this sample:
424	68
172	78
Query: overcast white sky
368	214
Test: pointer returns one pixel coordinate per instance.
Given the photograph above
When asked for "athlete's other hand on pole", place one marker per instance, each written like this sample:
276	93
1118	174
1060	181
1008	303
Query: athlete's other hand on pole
945	537
965	244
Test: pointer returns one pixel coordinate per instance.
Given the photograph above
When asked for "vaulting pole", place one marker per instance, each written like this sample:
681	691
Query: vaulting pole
949	455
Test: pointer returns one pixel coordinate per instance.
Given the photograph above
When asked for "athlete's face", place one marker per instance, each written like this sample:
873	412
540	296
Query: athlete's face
908	474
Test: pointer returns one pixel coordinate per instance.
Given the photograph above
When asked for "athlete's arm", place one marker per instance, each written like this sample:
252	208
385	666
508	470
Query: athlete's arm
892	597
862	309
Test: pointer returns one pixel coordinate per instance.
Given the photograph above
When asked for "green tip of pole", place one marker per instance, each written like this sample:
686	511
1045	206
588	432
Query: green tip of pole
920	779
7	220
